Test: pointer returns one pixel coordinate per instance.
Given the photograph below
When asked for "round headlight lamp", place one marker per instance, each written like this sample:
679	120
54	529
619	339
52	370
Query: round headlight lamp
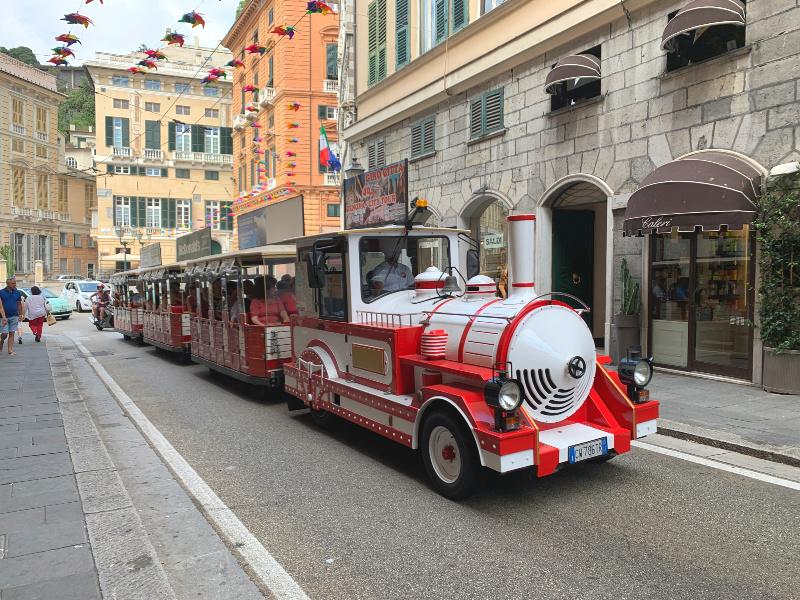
642	373
509	396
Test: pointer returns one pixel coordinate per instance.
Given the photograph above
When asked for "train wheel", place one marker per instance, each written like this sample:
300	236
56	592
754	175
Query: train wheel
324	419
126	337
450	457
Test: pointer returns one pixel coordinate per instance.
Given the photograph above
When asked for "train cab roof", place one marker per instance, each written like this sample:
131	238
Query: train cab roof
387	230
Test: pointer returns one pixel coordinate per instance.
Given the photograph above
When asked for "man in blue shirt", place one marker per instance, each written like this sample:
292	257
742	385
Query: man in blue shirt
11	311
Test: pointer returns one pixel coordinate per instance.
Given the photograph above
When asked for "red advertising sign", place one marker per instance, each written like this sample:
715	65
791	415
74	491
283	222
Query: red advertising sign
377	197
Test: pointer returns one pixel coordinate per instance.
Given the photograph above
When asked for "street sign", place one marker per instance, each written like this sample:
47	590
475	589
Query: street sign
150	255
377	197
193	245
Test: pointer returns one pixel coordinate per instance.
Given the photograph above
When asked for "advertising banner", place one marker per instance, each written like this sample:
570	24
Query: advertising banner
150	255
193	245
271	224
377	197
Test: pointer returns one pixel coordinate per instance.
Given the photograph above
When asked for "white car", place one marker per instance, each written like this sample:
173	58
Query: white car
79	293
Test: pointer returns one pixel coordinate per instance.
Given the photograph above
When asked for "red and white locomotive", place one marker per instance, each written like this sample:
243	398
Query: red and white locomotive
386	338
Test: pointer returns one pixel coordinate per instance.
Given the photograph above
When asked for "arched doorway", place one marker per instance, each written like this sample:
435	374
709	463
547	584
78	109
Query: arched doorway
574	247
485	217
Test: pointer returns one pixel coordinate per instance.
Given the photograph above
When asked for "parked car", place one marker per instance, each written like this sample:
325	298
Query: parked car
59	307
68	277
78	294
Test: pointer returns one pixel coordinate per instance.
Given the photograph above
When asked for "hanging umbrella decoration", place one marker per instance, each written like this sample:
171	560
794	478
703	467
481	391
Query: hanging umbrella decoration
318	7
136	70
174	38
155	55
294	125
77	19
63	51
148	64
194	18
295	106
68	39
255	49
294	140
58	61
250	88
284	30
235	64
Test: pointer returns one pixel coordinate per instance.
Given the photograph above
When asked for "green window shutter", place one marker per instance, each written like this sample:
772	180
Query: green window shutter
109	131
165	212
402	47
198	139
142	212
134	211
171	136
152	135
372	42
460	14
226	140
416	140
165	172
428	135
126	133
476	118
331	70
371	160
381	39
493	120
441	20
109	168
270	65
173	214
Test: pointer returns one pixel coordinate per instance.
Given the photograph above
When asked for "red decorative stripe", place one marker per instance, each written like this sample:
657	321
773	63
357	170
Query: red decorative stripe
521	218
429	285
469	326
523	285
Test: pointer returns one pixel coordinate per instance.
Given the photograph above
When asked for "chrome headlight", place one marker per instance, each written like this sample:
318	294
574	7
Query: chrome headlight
642	373
505	394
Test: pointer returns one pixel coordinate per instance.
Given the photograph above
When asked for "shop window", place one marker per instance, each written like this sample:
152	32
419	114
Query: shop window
570	93
489	228
703	44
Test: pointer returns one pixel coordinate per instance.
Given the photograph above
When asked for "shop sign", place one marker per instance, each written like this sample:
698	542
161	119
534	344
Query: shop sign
150	256
492	241
377	197
271	224
193	245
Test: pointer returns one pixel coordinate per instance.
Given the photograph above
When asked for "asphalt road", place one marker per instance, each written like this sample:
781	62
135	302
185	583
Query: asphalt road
349	515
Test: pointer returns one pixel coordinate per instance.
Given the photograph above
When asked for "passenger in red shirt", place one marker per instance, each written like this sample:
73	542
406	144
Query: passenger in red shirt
266	307
286	293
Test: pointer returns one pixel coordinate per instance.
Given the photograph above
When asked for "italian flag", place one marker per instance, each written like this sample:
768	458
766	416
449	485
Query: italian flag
326	155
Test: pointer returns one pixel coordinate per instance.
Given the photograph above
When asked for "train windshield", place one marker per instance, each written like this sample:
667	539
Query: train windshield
390	263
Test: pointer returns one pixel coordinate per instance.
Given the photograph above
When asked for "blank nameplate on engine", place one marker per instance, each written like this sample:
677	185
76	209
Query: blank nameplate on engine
588	450
369	358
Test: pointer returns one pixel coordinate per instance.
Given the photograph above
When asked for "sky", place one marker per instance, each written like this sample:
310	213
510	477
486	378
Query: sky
120	26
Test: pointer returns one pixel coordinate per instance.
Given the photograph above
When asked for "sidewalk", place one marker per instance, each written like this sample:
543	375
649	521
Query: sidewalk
87	508
741	418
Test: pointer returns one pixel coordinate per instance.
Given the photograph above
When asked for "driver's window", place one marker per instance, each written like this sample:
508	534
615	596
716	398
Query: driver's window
333	298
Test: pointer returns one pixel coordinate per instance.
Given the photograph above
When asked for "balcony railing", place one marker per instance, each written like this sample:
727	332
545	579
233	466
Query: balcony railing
204	157
266	96
41	136
22	211
18	129
153	154
330	85
123	151
50	215
239	122
331	179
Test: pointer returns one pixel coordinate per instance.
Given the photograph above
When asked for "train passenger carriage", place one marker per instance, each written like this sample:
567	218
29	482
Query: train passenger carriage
394	334
128	307
240	304
165	317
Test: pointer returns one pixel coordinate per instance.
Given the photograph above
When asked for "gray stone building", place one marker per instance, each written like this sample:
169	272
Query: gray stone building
490	127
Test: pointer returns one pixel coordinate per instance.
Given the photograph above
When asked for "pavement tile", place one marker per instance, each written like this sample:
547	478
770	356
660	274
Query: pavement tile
46	424
17	420
59	513
42	408
46	536
73	587
9	428
101	491
20	520
49	565
35	467
16	439
39	449
89	454
48	436
8	453
41	492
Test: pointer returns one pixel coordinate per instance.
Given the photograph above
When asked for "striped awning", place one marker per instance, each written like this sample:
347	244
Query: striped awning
575	70
709	189
699	15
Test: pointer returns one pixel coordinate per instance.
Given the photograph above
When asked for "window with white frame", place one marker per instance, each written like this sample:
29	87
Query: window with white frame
153	85
117	124
218	215
76	240
122	211
120	80
153	214
440	19
183	88
122	170
153	172
488	5
72	163
211	91
183	214
121	103
212	140
182	110
212	113
154	107
183	137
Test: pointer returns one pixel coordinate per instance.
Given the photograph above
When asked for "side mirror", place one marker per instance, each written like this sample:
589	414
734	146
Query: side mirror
315	270
473	263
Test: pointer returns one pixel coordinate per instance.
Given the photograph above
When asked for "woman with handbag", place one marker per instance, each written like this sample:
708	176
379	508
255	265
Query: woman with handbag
37	309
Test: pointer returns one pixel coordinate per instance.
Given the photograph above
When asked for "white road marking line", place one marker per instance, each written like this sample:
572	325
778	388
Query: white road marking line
266	568
792	485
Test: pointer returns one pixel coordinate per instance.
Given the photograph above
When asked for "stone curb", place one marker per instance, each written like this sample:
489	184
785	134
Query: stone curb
786	455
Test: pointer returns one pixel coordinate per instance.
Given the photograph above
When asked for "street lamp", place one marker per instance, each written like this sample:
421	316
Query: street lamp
121	234
354	169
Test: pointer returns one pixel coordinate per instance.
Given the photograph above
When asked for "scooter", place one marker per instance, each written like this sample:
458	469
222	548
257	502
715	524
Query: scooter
107	322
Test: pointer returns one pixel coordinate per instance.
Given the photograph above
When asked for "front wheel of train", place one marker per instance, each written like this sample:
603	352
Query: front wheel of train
449	455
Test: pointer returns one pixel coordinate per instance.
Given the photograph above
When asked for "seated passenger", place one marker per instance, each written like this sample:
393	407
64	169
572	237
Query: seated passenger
266	307
391	275
286	293
234	310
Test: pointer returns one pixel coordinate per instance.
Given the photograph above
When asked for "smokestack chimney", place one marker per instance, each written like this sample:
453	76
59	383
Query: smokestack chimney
521	244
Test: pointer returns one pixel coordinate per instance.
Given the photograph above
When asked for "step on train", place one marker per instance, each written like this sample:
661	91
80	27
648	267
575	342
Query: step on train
393	329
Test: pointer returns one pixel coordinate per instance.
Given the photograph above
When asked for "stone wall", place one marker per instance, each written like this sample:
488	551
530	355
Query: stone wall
745	100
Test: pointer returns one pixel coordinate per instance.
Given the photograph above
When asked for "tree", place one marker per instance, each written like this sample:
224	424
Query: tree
77	108
23	54
8	253
240	8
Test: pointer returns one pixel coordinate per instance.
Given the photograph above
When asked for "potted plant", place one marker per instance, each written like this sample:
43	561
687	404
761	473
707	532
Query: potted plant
778	231
627	322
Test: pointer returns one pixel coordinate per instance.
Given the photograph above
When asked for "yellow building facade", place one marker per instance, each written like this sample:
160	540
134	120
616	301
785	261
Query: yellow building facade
164	153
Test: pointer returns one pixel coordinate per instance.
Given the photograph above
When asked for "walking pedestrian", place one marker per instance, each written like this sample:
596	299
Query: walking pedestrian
13	311
36	309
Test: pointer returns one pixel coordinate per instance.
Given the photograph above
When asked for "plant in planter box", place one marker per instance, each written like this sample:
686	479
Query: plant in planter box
778	229
626	322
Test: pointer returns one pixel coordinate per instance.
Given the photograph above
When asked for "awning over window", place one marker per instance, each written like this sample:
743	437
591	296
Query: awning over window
699	15
709	189
576	70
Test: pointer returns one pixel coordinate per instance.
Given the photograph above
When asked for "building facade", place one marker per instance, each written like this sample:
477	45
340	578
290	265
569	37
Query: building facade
488	102
163	153
297	81
77	197
79	148
30	214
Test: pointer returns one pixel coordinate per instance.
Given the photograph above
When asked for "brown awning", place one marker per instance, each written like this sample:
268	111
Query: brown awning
709	189
699	15
577	68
